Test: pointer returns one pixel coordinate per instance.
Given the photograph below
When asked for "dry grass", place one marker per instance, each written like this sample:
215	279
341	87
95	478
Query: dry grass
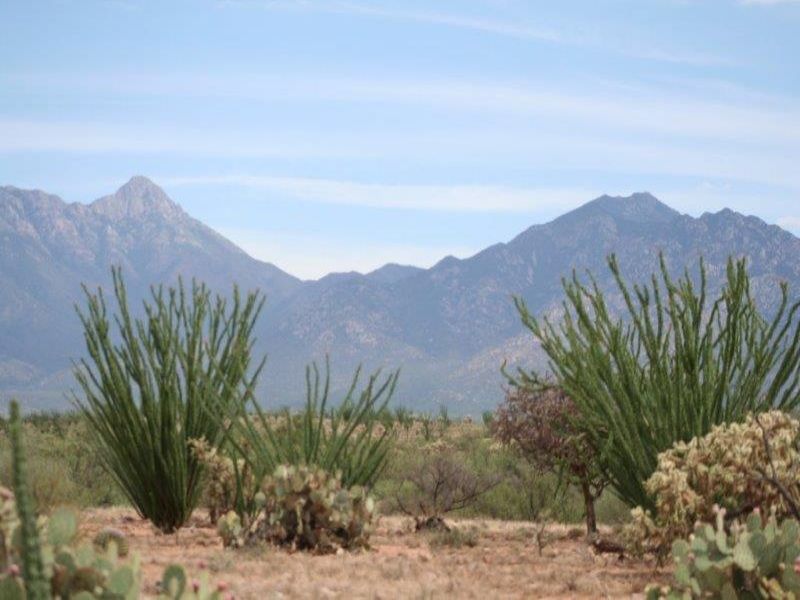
504	563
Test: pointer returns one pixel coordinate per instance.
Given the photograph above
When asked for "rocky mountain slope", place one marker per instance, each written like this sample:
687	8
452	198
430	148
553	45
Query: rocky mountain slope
449	327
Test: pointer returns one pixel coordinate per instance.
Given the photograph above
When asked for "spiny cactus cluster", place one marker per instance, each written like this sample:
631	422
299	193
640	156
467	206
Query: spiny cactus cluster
724	467
305	508
220	478
755	559
40	559
67	570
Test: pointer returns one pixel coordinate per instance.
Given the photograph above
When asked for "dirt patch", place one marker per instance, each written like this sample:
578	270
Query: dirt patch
504	563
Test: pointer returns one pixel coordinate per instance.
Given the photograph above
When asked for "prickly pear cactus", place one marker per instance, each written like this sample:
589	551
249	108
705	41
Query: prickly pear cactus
305	509
176	586
107	536
757	559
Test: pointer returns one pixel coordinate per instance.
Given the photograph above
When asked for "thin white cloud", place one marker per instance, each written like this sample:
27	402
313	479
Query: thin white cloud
506	28
312	257
457	198
618	107
768	2
25	135
528	145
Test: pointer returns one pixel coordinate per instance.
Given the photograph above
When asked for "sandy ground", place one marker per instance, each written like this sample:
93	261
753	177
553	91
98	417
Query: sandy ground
505	563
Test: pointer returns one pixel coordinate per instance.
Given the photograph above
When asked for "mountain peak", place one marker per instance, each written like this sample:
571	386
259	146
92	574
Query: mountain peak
138	197
640	207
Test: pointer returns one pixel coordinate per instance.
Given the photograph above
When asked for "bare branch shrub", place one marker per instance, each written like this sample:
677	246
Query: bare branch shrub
443	484
542	425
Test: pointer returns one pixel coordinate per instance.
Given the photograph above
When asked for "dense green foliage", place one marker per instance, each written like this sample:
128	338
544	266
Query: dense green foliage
146	395
61	462
674	366
349	440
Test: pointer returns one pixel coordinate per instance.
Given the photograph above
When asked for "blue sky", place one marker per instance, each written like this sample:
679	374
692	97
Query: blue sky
324	135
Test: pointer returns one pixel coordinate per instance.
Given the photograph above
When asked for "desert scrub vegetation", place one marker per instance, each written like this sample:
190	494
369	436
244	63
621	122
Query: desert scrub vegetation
62	468
349	442
756	558
738	467
521	491
541	425
677	364
42	557
166	381
304	508
440	485
728	502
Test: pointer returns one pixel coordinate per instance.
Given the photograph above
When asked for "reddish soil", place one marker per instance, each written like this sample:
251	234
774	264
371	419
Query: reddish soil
505	562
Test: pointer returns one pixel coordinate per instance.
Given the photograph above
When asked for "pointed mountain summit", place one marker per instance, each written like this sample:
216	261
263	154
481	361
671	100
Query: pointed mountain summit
48	248
137	198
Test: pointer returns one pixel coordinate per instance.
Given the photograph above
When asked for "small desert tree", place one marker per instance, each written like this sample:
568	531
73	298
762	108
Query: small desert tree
152	384
543	425
441	484
673	365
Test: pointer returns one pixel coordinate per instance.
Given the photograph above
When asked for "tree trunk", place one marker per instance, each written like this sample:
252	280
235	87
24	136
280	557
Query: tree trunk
588	500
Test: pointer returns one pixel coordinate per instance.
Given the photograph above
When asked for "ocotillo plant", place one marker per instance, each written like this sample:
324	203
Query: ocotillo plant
146	395
36	584
352	443
672	366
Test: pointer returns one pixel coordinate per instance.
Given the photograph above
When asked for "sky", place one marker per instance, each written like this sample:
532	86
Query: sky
327	135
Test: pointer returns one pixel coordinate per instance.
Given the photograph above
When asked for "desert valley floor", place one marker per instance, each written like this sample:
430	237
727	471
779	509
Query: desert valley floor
504	563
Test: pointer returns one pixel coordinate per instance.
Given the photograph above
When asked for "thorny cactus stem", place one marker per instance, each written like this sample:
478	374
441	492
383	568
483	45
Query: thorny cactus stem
32	564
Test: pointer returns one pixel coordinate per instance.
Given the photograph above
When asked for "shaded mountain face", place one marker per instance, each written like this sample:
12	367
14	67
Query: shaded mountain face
48	248
449	328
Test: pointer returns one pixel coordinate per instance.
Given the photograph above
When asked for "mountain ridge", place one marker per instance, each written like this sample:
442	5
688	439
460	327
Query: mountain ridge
449	326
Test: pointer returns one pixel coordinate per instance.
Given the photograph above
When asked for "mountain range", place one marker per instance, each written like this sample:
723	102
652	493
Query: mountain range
449	328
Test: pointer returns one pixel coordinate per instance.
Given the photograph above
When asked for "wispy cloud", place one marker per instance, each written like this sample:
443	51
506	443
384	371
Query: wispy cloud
459	198
28	135
594	105
498	27
766	2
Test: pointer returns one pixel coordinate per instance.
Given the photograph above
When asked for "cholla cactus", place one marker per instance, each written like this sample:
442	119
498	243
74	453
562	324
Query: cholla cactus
734	466
756	559
305	509
220	478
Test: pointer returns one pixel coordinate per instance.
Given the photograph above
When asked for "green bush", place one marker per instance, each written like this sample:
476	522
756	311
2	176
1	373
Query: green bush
147	395
62	466
304	509
675	366
752	560
522	494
